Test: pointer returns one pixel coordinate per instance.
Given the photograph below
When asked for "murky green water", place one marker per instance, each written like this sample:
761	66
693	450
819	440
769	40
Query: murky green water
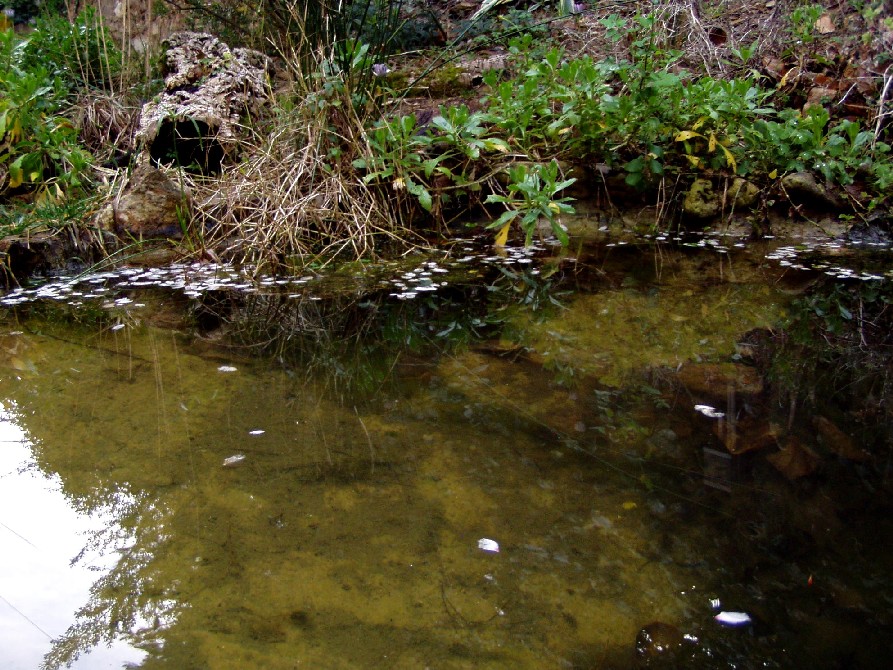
206	474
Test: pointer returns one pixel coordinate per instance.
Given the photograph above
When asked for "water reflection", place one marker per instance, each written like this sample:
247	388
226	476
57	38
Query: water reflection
306	471
46	572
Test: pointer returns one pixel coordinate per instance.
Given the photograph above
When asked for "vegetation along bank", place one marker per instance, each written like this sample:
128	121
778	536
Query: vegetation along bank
284	133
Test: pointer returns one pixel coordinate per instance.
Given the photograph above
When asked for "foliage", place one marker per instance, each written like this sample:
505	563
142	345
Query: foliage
531	197
802	22
799	142
38	146
79	54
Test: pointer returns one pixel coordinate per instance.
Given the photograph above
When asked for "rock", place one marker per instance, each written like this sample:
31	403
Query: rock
835	440
748	434
743	193
795	460
819	96
151	205
658	639
803	189
209	90
713	383
700	200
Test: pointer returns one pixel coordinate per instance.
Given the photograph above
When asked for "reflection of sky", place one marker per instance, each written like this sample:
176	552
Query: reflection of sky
40	590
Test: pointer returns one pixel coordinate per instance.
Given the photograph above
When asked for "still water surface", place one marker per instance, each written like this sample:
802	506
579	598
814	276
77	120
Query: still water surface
200	471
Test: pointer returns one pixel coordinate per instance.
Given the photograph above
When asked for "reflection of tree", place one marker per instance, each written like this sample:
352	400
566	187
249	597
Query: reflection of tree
130	600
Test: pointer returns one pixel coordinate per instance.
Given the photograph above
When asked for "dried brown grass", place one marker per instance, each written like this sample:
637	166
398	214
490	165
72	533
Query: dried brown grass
290	201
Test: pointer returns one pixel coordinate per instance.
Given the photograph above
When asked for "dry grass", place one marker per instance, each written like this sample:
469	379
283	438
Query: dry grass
106	123
289	202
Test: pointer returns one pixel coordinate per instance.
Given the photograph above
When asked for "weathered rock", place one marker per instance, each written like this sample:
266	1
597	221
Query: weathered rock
151	205
700	201
838	442
713	383
743	193
795	460
819	96
209	90
658	639
803	189
748	434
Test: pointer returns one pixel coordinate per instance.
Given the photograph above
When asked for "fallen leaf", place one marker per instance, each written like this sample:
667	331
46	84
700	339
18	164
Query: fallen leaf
824	24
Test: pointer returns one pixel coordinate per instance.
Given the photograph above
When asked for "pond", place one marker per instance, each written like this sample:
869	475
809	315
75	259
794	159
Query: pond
632	455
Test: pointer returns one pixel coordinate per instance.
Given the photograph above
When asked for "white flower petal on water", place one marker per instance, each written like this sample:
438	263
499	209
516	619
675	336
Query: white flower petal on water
709	411
235	459
257	431
733	618
226	368
485	544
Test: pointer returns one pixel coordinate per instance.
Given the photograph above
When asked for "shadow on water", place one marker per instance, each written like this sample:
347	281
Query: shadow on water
300	471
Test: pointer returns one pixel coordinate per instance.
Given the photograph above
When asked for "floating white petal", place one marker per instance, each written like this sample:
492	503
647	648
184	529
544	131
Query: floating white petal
709	411
233	460
733	618
485	544
226	368
256	432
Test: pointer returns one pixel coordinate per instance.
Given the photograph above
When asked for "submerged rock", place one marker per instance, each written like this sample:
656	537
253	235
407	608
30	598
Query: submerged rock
659	641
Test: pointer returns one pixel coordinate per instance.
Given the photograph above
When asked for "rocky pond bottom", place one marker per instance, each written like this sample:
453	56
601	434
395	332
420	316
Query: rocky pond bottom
632	457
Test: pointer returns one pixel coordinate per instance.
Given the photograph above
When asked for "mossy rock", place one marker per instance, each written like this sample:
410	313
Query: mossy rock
701	202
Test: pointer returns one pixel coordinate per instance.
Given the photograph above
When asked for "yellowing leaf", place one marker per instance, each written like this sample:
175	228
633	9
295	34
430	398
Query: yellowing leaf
699	123
687	135
502	236
773	174
629	504
15	176
398	184
730	159
694	160
711	144
15	135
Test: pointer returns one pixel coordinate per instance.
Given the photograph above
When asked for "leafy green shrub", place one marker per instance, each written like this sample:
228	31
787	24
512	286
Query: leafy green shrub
79	54
38	146
799	142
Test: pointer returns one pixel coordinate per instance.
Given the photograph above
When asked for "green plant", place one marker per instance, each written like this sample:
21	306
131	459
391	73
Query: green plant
799	142
532	192
802	22
38	147
79	54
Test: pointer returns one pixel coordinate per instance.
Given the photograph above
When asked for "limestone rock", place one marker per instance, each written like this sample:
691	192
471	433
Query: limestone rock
151	205
701	202
803	189
713	383
743	193
209	90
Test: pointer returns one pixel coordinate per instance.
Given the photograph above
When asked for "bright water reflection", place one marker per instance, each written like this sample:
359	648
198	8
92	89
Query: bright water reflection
309	476
40	587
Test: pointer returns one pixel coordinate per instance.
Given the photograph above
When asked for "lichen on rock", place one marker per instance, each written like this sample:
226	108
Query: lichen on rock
209	90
